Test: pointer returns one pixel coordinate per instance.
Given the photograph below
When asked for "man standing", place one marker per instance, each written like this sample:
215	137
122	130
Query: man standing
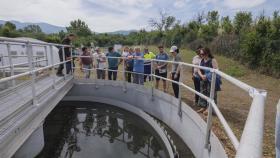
138	67
100	63
128	64
67	53
161	67
86	62
147	63
113	63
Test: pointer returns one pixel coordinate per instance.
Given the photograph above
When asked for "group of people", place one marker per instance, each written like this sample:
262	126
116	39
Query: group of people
139	66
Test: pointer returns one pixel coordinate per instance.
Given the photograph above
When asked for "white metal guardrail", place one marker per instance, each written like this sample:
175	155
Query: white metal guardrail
250	144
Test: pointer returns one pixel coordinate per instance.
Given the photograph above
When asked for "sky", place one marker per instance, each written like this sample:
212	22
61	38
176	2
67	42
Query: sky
113	15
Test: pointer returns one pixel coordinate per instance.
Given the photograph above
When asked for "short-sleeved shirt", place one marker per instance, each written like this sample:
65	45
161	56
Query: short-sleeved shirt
177	58
86	60
100	59
196	61
162	56
147	56
138	64
113	62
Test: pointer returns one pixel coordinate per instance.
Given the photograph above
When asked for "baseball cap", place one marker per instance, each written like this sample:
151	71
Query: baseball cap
173	49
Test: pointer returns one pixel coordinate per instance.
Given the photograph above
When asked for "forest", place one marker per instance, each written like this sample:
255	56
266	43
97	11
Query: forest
254	41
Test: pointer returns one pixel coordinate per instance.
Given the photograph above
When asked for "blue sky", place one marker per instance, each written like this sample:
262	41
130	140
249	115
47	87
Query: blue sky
112	15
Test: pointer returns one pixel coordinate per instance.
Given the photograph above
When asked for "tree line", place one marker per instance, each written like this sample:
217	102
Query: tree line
253	41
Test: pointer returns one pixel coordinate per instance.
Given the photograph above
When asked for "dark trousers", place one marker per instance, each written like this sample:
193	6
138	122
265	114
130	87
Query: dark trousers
112	73
147	72
61	66
196	82
128	74
175	86
100	74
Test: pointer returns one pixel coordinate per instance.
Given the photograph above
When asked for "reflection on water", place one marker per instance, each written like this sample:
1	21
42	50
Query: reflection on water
100	131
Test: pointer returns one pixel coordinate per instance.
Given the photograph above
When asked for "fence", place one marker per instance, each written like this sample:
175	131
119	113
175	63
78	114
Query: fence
250	144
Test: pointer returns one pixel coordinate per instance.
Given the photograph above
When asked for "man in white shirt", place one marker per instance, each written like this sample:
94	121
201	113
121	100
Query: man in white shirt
196	79
100	63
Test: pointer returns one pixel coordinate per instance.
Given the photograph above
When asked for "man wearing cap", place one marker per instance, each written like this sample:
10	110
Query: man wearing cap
161	67
175	70
147	63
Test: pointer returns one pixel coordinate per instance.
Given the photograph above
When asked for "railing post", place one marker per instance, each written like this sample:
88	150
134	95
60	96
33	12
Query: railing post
124	76
72	60
210	109
52	63
33	75
180	91
46	55
152	78
2	63
11	63
64	63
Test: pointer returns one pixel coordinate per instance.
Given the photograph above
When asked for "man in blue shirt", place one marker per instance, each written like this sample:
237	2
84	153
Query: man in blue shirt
113	63
138	67
161	67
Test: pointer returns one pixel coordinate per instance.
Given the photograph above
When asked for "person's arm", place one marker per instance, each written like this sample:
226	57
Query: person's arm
81	64
215	64
201	75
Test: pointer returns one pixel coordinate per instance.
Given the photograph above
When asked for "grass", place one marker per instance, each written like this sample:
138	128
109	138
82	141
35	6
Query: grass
233	102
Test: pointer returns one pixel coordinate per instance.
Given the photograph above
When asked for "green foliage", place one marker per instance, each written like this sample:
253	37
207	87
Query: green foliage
242	21
79	27
32	29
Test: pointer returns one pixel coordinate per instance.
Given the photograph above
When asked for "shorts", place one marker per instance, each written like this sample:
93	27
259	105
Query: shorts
164	75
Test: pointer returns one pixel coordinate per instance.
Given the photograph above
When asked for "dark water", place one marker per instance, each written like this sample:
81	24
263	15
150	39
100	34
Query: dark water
82	130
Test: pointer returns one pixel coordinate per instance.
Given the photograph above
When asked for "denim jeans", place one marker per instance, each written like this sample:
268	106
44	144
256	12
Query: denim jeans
87	72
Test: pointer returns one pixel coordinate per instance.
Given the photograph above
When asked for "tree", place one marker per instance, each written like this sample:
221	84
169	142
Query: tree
79	27
242	21
32	29
227	25
164	23
10	26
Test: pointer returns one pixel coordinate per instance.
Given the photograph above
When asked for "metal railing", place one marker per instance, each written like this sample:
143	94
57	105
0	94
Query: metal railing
250	144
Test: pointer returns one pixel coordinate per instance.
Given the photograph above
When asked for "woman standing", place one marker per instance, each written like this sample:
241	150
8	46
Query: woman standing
208	60
195	77
175	72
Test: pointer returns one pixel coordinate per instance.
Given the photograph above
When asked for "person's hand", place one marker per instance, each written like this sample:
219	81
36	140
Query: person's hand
193	78
175	76
158	67
203	77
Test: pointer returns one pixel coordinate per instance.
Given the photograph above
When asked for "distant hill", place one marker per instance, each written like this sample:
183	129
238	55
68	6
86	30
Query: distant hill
46	28
122	32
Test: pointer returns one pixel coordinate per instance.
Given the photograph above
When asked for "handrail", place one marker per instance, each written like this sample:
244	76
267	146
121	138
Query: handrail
23	63
251	140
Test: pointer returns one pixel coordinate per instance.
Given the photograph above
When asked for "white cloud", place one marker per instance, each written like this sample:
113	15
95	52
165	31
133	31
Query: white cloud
61	12
242	4
111	15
